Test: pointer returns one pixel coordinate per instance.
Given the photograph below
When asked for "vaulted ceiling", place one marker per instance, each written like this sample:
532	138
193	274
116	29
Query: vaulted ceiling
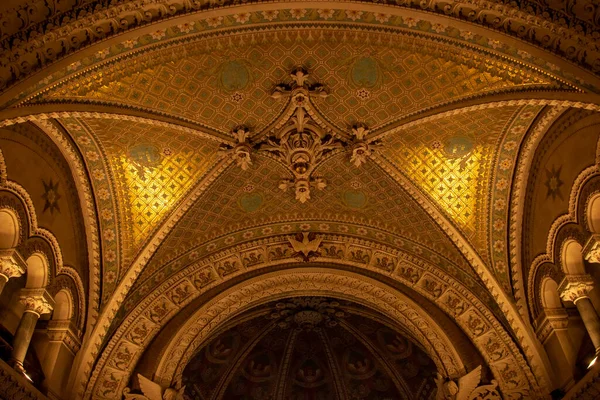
153	116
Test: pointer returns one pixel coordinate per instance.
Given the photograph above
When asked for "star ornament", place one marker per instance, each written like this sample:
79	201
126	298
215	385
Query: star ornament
554	183
51	196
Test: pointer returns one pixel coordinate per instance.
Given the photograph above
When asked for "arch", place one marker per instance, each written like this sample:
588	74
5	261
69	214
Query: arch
9	229
550	298
593	213
63	305
572	258
118	358
502	23
302	282
37	271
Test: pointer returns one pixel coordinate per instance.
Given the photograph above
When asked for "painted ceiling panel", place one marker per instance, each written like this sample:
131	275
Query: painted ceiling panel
243	205
152	168
452	160
372	78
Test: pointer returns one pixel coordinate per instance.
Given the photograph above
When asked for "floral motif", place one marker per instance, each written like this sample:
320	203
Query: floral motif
229	240
214	22
286	228
498	225
159	34
241	18
499	204
498	246
467	35
298	13
92	155
362	231
270	15
354	14
438	28
110	255
102	54
410	22
248	234
304	227
186	27
211	246
130	44
103	193
382	18
505	164
267	230
109	235
502	184
326	13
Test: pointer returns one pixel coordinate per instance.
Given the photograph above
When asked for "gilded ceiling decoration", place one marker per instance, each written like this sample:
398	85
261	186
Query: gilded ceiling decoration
140	171
242	205
452	158
372	78
572	38
310	347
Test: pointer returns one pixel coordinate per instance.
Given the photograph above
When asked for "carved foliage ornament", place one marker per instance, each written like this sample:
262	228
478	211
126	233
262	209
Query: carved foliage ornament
575	287
38	301
300	139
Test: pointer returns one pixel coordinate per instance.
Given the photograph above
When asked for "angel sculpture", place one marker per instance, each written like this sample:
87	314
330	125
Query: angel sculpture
153	391
449	390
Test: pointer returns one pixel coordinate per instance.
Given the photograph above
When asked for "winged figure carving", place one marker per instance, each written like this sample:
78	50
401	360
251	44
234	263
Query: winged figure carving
153	391
306	245
450	390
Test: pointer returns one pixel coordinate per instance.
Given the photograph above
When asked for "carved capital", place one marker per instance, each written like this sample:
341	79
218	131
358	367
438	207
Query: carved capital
12	264
38	301
575	287
591	250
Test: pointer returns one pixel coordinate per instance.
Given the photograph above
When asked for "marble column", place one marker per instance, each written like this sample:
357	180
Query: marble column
576	288
37	302
12	265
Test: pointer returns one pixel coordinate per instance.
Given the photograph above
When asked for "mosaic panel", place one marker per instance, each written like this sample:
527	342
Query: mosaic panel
373	78
450	159
153	168
240	200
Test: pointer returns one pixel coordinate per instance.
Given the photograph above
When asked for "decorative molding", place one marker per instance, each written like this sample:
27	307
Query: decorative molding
449	295
534	352
12	264
517	207
575	287
43	42
591	250
62	331
38	301
15	386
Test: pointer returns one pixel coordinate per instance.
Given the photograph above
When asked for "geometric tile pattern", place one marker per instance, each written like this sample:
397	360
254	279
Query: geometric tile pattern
451	160
240	200
374	78
153	168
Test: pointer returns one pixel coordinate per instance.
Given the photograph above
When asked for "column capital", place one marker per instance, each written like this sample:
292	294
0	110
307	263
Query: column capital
38	301
591	250
575	287
12	264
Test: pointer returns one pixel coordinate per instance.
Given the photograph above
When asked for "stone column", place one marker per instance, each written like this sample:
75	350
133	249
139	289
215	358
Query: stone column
37	302
63	343
12	265
576	288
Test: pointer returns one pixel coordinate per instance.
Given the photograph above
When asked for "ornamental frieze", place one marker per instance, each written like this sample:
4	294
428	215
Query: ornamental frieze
50	40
